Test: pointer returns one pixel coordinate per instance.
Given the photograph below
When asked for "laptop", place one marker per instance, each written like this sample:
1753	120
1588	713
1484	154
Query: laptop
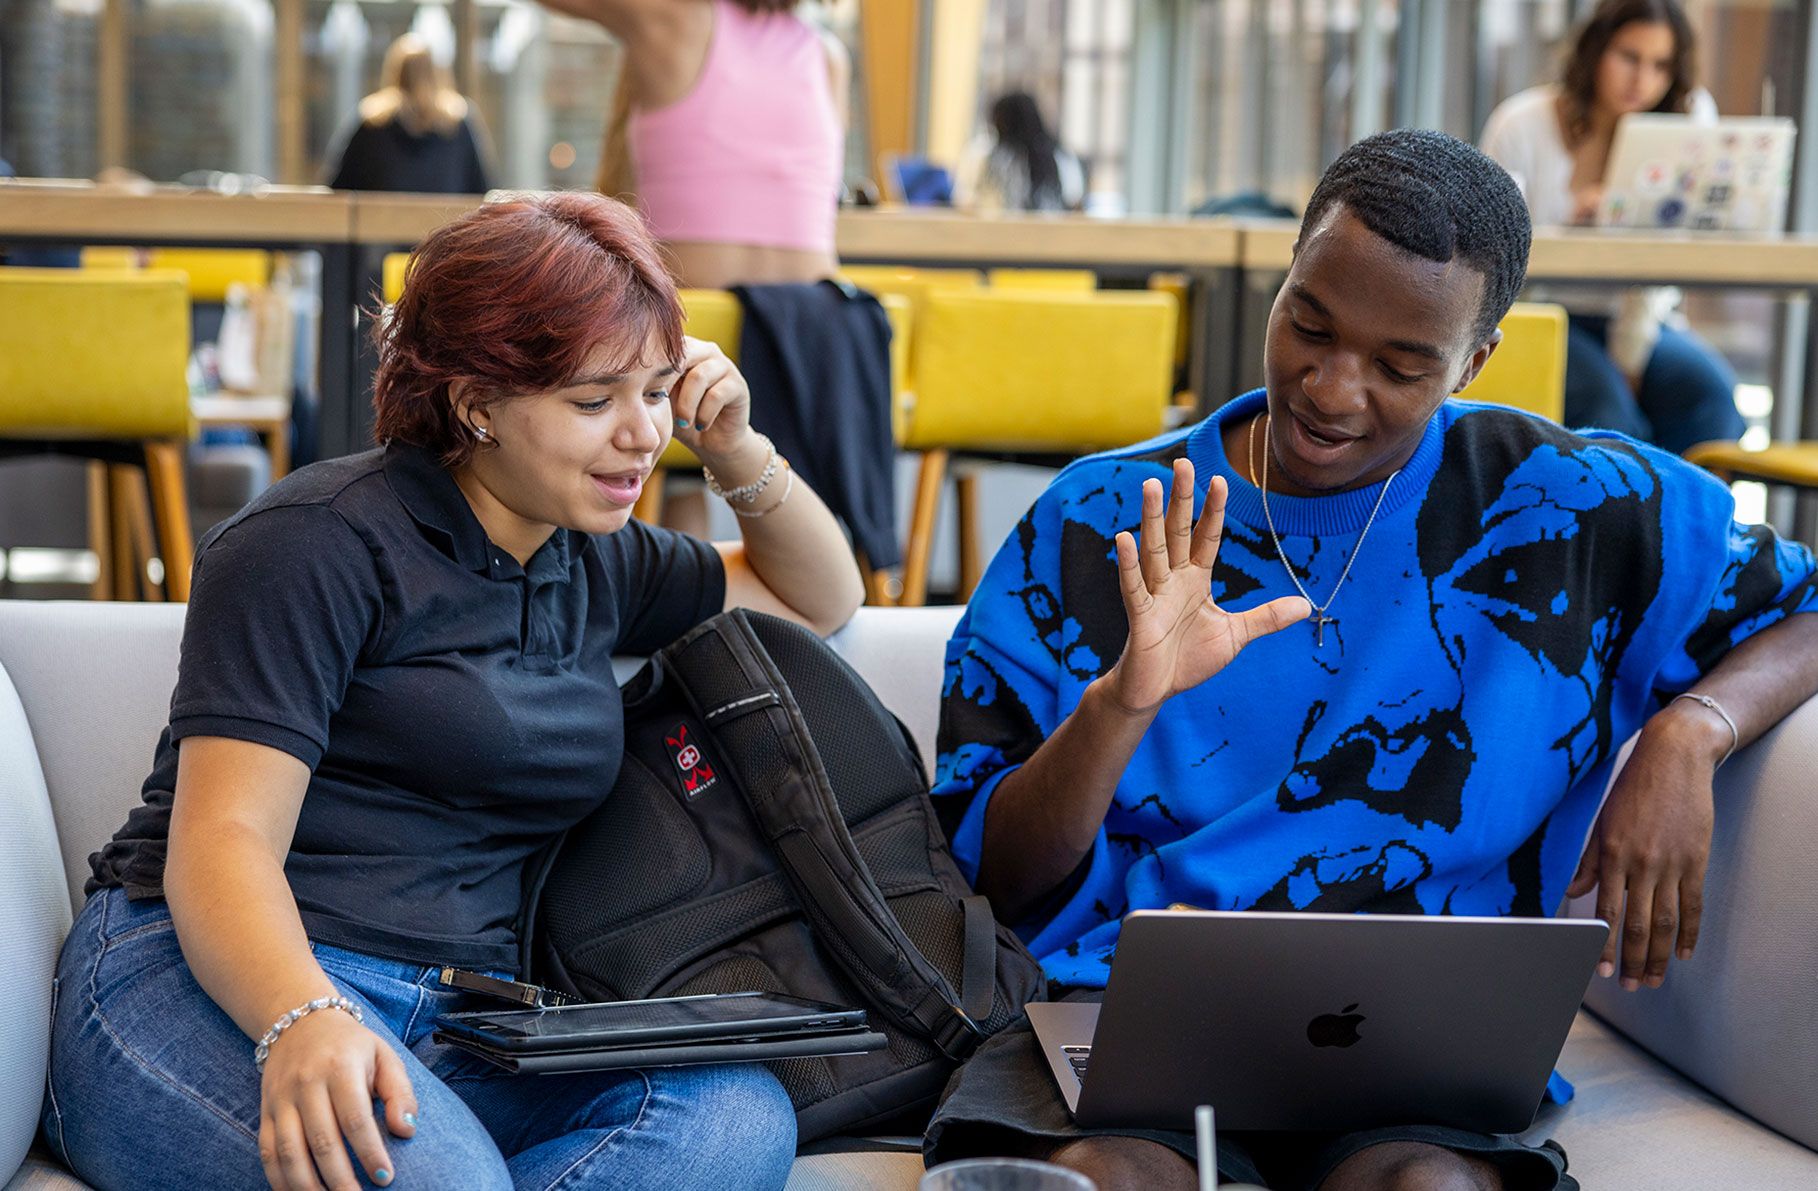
1668	171
1322	1021
662	1032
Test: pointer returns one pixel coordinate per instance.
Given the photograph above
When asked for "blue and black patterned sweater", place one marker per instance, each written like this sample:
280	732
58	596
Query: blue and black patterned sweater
1526	598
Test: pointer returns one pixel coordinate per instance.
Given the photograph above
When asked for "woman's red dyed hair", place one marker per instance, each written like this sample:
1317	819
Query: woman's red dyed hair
514	298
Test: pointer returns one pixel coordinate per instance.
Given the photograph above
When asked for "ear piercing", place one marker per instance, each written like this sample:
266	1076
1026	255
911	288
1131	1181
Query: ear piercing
480	433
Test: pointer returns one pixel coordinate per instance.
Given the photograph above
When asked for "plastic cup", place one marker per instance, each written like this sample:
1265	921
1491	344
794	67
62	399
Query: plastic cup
1003	1174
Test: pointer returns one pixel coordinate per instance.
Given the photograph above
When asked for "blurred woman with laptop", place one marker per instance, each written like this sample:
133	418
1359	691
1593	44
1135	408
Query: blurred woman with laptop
1631	364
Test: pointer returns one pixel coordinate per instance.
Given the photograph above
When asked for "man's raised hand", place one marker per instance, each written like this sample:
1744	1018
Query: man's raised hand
1178	636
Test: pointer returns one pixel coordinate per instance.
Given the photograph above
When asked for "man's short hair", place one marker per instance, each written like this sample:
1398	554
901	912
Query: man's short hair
1439	198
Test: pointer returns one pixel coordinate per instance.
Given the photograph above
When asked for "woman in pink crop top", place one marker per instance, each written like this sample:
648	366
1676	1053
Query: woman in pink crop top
730	129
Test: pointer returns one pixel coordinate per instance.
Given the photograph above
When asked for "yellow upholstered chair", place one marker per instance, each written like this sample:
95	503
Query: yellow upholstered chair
1528	370
1181	287
207	271
94	364
1786	464
112	256
873	276
715	315
1030	373
1073	281
391	275
212	270
913	284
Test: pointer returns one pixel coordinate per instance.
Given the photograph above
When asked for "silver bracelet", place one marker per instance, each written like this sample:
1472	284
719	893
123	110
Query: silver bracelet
788	487
747	493
262	1051
1706	700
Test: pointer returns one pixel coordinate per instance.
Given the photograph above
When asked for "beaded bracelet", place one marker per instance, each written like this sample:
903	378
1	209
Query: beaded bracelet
747	493
1707	701
262	1051
788	487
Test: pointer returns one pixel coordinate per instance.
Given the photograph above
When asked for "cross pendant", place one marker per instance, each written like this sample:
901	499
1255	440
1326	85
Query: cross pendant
1320	621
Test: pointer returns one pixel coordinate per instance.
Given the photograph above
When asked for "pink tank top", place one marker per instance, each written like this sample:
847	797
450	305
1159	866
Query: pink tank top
752	155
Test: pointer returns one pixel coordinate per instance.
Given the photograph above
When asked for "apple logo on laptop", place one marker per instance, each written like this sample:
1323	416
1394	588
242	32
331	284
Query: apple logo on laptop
1335	1029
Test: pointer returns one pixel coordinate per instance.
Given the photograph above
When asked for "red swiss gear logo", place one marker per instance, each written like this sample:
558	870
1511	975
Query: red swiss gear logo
697	775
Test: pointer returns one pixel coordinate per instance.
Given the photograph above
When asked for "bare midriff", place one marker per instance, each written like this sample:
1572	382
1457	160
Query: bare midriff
702	264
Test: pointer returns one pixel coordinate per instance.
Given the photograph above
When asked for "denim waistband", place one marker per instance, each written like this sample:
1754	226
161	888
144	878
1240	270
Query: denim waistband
121	915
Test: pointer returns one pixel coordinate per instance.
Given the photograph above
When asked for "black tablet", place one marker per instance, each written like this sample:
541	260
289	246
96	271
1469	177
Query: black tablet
667	1021
674	1054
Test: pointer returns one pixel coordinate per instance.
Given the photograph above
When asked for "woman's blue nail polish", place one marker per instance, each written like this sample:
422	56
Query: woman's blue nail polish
381	1176
410	1118
682	422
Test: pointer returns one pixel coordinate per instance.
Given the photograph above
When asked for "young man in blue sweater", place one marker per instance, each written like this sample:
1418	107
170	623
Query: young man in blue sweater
1453	617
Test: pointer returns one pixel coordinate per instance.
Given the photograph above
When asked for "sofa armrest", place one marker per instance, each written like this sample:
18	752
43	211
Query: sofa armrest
35	903
1741	1017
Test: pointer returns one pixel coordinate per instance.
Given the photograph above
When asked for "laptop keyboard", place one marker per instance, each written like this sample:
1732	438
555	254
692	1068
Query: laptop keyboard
1076	1058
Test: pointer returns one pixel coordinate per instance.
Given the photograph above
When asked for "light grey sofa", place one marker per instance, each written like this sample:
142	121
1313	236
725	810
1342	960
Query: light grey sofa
1711	1082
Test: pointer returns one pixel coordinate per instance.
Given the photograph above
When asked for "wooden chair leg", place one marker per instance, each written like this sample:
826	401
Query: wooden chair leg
277	447
100	531
965	486
170	507
880	588
134	544
878	583
921	527
122	570
649	506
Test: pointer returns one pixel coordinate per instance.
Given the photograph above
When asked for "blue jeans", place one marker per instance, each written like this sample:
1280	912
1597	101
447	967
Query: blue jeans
152	1086
1687	395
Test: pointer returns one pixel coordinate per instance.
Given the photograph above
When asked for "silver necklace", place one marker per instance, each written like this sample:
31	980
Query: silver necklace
1320	620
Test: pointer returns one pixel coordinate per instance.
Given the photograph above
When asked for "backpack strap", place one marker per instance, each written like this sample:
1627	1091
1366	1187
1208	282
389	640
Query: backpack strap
978	972
755	717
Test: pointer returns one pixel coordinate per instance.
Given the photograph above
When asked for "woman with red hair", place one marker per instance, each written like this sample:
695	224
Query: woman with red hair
395	688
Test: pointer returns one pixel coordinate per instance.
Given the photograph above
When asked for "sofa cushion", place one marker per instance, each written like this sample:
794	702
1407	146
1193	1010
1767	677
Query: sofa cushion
867	1171
1635	1123
96	684
34	917
41	1172
901	653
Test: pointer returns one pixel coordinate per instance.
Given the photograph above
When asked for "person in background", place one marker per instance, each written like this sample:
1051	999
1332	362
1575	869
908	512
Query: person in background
415	133
395	689
1631	364
729	128
1022	167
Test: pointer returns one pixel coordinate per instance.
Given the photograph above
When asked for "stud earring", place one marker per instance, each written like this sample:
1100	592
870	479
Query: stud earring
479	432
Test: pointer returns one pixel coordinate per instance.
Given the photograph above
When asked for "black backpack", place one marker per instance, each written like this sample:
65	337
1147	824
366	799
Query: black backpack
771	829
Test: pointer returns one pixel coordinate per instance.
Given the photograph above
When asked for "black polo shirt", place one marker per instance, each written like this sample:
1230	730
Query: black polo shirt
456	710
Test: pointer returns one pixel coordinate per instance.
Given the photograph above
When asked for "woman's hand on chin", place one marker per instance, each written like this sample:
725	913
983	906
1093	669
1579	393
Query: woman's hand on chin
711	405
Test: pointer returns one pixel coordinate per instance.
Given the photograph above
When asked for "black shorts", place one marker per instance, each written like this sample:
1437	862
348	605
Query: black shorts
1003	1102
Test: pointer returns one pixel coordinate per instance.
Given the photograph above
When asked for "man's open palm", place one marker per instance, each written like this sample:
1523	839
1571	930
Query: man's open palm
1178	636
